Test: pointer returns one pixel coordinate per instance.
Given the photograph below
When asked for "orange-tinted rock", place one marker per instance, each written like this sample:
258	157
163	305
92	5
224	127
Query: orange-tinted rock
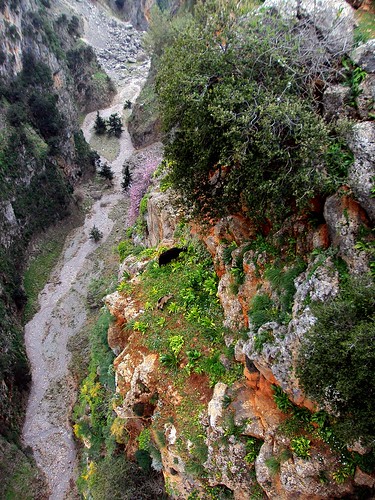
266	372
122	307
345	218
320	237
116	338
252	378
363	479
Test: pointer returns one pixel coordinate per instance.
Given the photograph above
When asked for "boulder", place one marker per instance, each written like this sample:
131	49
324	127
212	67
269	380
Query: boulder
335	102
277	357
123	308
345	218
131	267
230	303
333	19
215	406
362	172
363	56
305	479
161	218
366	99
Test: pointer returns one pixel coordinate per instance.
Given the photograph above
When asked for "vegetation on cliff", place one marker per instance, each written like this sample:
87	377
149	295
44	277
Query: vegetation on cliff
237	100
241	101
338	357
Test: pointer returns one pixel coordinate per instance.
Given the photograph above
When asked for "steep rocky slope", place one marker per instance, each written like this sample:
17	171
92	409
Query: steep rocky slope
182	399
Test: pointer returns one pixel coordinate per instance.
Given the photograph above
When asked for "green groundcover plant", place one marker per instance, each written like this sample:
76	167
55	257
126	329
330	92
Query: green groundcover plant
337	360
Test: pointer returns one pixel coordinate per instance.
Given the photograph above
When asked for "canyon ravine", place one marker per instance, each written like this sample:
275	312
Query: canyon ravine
62	302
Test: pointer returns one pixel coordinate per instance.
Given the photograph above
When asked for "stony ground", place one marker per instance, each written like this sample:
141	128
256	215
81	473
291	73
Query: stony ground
62	313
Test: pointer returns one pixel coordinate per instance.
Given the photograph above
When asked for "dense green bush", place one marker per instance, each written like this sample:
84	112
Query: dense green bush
45	114
239	117
337	359
118	479
35	72
16	114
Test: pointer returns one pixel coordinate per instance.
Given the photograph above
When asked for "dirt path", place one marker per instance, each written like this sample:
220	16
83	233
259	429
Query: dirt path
62	311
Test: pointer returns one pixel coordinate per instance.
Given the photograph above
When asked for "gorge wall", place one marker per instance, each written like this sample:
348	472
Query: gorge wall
47	76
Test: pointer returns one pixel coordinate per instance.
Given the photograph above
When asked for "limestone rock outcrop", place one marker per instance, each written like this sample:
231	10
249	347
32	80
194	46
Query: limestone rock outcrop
362	172
333	19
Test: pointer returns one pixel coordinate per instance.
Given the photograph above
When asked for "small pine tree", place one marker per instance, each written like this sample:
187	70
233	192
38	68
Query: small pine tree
95	234
100	125
106	172
126	177
114	125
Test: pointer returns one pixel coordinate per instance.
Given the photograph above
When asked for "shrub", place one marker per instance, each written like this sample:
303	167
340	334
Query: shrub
144	440
16	114
227	253
253	446
213	367
281	399
282	281
261	310
95	234
116	477
301	446
273	465
261	338
354	77
338	354
119	431
73	26
244	136
85	156
45	114
35	72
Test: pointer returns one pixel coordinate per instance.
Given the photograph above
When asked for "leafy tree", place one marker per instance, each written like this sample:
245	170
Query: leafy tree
100	125
337	359
241	129
45	114
126	177
106	172
114	125
16	114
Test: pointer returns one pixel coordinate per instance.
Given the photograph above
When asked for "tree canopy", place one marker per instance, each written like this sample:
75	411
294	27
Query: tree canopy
337	359
239	117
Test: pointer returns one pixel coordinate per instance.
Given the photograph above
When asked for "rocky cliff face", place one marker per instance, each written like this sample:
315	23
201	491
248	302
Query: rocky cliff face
135	11
42	155
248	428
